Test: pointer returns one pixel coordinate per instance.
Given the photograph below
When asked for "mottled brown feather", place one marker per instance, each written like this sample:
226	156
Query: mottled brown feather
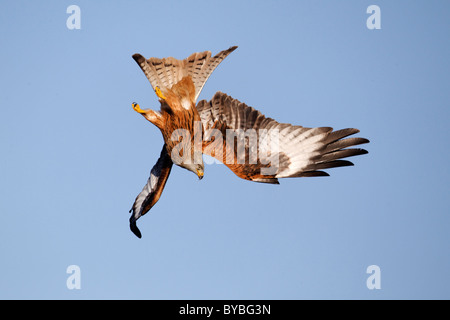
166	72
323	147
303	152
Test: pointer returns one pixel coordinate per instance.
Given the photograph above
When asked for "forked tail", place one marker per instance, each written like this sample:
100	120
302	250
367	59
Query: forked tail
166	72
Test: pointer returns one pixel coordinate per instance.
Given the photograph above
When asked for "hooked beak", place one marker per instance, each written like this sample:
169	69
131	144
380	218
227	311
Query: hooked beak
200	174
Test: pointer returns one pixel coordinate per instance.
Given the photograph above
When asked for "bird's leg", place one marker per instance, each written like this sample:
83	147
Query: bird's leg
137	108
159	93
149	114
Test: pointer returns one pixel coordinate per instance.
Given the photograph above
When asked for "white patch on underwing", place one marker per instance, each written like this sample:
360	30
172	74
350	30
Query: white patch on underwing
185	103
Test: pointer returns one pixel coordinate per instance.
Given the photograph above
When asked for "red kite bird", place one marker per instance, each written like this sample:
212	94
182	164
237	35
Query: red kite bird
254	147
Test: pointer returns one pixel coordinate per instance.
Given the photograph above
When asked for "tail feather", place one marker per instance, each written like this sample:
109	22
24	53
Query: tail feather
166	72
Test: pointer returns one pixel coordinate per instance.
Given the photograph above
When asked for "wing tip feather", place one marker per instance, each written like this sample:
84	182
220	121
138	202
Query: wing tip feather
138	58
134	228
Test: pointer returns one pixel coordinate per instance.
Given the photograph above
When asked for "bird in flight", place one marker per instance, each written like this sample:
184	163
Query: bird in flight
254	147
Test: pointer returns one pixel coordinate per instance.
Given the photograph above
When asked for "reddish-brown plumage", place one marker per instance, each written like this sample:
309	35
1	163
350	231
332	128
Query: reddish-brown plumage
298	152
228	155
174	115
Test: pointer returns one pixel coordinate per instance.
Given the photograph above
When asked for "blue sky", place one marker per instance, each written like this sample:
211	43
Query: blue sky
74	154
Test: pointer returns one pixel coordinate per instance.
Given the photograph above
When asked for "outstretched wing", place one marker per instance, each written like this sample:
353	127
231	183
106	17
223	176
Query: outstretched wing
293	151
152	190
166	72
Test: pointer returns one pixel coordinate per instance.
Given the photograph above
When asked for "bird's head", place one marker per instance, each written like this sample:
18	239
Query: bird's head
198	169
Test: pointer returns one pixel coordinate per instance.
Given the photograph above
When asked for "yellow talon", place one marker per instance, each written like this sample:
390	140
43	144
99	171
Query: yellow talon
137	108
159	93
